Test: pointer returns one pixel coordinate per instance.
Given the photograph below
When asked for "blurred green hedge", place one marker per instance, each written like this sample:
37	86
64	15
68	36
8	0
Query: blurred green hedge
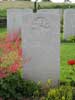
3	13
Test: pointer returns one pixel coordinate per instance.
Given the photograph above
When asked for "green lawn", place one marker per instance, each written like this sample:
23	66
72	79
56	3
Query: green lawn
26	4
67	51
23	4
15	4
3	30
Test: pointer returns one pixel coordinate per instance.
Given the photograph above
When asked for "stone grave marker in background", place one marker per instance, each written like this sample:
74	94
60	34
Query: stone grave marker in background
41	45
69	22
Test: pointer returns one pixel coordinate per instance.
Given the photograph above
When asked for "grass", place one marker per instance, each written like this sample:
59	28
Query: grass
2	30
22	4
67	52
27	4
15	4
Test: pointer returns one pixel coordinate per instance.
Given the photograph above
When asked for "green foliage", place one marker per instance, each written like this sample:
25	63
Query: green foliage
3	31
3	13
15	87
47	5
71	38
61	93
3	18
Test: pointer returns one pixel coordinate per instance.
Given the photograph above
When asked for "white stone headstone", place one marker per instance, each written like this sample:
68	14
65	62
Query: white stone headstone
40	43
69	22
36	0
14	21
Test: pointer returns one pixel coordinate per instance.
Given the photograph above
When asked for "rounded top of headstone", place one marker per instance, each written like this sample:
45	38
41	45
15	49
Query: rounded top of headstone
70	11
36	0
20	10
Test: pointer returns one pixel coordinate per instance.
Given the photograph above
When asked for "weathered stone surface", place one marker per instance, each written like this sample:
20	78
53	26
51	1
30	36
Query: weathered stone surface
14	21
40	43
69	22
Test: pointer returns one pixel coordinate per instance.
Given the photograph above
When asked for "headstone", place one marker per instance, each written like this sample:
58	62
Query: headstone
40	43
36	0
69	22
14	21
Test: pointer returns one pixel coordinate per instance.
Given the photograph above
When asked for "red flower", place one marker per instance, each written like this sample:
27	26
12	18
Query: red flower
71	62
12	36
3	75
9	46
20	52
3	72
17	43
1	46
8	39
14	67
15	35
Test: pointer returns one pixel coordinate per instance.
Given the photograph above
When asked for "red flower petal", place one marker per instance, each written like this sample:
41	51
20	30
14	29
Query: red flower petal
3	75
71	62
14	67
20	52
